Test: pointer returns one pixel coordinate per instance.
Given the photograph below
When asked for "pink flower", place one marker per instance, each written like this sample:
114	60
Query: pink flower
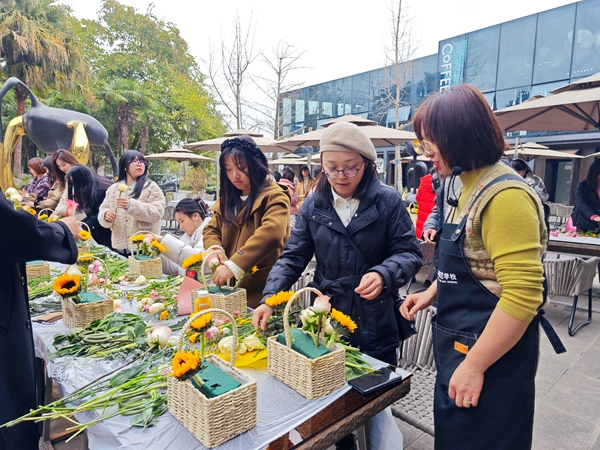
71	207
213	262
146	308
218	322
154	295
321	304
94	279
212	332
235	313
118	309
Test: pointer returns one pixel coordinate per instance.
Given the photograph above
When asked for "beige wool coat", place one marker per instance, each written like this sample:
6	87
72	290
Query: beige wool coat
258	242
144	213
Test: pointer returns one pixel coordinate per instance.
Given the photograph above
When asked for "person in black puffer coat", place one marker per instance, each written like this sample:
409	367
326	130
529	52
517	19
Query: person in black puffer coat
350	209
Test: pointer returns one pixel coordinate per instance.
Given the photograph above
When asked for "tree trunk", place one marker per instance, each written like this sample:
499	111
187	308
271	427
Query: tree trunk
144	139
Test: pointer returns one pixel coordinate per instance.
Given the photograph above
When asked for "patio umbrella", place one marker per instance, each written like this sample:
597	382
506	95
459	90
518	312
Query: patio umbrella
289	159
214	145
179	155
574	107
531	150
380	136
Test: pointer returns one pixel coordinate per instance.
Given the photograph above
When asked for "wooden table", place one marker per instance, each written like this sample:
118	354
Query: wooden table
343	416
574	248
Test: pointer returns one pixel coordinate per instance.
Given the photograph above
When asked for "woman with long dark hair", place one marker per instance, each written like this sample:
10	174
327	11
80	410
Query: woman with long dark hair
192	216
62	162
586	213
251	221
134	203
489	286
88	189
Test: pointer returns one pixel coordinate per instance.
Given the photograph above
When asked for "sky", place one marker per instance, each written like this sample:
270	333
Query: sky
339	37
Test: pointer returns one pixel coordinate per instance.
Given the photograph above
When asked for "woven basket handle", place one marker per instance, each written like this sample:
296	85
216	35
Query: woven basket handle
212	310
130	244
83	224
41	212
286	312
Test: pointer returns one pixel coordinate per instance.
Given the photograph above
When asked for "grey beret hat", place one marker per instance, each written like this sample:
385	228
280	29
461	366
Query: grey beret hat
347	137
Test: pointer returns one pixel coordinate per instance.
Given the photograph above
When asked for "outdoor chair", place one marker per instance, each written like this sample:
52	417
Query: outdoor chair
571	277
169	218
563	212
417	357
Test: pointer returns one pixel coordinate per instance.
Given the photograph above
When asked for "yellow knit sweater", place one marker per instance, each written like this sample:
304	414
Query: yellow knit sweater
505	237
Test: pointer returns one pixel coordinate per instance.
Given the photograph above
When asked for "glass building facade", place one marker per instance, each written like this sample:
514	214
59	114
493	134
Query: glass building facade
508	63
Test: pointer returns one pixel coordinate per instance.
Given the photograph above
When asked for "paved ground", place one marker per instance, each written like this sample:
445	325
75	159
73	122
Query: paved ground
568	387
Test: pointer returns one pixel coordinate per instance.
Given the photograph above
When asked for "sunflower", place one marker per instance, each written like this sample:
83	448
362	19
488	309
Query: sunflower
202	322
193	337
32	211
158	246
343	320
43	216
67	285
137	238
85	235
279	299
85	258
192	260
184	364
52	219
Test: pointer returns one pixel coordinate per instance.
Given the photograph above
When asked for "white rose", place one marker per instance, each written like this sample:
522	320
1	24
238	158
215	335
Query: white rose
140	280
328	329
16	198
241	349
225	344
156	308
11	190
308	316
74	271
252	342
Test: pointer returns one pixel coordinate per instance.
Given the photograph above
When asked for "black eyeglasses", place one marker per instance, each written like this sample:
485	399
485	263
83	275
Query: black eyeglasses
138	162
349	172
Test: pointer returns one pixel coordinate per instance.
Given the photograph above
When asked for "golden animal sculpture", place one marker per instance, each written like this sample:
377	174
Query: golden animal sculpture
50	129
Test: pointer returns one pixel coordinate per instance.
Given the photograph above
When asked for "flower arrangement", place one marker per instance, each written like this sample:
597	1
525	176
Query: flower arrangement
83	262
146	248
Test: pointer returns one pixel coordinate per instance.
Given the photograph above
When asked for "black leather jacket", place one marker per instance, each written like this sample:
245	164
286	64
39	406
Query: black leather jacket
384	233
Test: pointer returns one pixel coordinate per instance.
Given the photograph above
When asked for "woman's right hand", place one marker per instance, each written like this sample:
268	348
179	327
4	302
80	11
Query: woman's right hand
110	216
415	303
260	316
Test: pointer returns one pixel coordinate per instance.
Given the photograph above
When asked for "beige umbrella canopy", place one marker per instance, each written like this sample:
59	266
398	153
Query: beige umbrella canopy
214	145
179	155
531	150
574	107
380	136
289	159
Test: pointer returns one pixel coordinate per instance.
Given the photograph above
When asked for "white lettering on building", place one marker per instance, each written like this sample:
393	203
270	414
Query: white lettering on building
446	67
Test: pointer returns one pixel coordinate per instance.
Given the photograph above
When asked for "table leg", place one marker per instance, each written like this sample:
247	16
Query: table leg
363	437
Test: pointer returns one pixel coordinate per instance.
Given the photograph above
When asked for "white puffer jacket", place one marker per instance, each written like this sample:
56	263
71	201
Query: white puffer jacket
143	213
178	249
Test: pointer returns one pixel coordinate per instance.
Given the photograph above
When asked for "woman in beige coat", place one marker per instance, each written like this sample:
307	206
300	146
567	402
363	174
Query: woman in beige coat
134	203
251	221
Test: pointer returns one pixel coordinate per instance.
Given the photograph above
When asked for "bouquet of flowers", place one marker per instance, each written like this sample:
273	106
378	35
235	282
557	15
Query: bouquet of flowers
146	248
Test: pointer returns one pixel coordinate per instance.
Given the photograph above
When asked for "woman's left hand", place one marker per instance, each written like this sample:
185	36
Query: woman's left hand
465	385
371	285
221	275
122	203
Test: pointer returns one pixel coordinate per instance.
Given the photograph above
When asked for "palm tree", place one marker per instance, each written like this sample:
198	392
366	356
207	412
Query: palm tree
121	97
35	49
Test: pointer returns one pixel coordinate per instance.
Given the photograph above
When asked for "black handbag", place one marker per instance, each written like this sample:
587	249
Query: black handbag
406	328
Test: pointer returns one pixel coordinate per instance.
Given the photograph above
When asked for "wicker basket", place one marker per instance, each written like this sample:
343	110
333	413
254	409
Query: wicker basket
312	378
213	420
46	211
80	315
37	270
235	301
151	268
82	246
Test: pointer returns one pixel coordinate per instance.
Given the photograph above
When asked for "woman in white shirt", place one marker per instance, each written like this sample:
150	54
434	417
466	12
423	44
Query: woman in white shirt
191	215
